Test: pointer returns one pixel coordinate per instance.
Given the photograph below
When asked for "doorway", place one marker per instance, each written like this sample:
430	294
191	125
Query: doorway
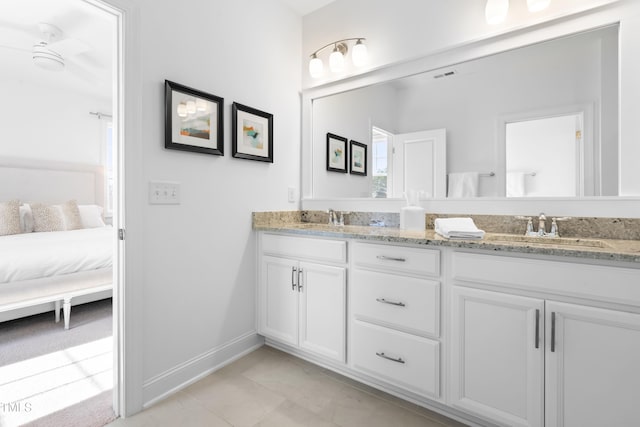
78	61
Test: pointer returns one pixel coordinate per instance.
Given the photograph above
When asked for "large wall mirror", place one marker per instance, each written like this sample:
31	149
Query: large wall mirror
536	121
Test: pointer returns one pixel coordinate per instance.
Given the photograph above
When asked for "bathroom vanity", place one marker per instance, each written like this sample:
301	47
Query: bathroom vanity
489	332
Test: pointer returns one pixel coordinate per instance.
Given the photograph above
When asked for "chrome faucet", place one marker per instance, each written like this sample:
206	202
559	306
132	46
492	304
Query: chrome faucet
541	225
555	232
332	217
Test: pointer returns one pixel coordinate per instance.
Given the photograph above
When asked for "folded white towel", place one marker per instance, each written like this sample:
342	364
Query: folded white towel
464	184
458	228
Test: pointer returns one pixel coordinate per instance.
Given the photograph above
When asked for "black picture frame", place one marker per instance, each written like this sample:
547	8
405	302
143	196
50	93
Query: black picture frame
336	153
252	133
357	158
193	120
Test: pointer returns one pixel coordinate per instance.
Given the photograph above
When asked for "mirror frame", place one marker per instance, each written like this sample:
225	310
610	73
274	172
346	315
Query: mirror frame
624	13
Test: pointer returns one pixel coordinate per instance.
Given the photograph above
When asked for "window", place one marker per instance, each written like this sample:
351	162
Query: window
381	146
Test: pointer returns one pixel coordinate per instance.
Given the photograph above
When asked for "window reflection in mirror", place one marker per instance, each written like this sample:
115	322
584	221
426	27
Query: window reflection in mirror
544	156
381	146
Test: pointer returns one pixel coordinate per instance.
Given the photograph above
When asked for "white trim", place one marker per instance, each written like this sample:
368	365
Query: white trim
186	373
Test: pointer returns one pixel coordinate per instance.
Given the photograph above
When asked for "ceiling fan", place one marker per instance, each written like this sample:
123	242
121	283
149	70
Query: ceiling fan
50	52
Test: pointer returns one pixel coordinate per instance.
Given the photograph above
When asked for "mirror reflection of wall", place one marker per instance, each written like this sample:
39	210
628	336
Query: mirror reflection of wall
469	99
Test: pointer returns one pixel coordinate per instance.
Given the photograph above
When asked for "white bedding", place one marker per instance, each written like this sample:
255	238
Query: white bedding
36	255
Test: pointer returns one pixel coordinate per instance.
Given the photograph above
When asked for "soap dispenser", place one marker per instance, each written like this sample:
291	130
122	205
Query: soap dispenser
412	216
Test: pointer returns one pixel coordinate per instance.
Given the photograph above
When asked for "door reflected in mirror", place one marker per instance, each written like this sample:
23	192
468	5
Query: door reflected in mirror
543	157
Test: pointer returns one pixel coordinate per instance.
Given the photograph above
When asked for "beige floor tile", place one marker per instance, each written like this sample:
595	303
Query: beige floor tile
238	400
291	415
184	411
271	388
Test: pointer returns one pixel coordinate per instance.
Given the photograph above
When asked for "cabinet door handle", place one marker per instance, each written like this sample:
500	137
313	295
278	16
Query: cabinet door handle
384	301
293	274
389	258
553	331
537	328
300	280
393	359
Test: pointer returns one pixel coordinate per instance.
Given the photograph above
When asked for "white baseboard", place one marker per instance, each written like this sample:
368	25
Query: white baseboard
181	376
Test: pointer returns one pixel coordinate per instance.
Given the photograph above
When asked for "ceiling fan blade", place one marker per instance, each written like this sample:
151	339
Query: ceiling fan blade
69	47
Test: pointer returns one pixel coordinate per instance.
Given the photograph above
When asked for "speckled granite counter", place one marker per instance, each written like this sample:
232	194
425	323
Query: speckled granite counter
607	249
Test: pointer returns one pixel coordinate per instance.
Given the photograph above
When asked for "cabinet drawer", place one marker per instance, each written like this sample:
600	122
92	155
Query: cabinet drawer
397	258
305	248
407	361
407	303
596	282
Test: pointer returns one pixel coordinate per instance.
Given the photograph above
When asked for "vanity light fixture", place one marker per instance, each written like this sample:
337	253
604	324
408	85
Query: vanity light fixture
495	11
336	59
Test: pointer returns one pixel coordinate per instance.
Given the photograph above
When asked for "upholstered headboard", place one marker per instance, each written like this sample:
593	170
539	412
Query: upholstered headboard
51	182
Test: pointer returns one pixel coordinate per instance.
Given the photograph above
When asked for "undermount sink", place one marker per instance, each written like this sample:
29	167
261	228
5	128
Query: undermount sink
555	241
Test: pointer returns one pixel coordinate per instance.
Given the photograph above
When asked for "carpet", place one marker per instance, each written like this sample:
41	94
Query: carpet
50	376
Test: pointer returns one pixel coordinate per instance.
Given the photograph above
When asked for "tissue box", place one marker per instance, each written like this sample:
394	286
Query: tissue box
412	218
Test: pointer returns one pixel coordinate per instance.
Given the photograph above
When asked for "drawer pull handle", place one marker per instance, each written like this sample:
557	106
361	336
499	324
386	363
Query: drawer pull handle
384	301
293	274
390	258
384	356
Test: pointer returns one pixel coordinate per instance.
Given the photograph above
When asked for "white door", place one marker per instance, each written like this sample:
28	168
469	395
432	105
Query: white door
323	310
420	163
279	299
497	356
592	357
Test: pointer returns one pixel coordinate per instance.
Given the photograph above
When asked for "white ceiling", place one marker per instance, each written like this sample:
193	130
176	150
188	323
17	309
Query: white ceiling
303	7
89	72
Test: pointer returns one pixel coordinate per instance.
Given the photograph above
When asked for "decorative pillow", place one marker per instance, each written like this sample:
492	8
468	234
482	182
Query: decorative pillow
71	215
10	217
47	218
91	216
26	218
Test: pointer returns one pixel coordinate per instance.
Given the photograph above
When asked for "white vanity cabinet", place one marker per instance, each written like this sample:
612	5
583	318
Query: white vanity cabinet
302	293
395	316
524	360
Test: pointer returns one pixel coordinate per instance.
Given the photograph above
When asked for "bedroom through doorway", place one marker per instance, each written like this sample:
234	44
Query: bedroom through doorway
60	163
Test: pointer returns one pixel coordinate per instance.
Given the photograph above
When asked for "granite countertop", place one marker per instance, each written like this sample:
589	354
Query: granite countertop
596	249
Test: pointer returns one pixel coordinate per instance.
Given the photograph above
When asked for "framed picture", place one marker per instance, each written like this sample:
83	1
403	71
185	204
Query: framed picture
193	120
358	158
336	153
252	136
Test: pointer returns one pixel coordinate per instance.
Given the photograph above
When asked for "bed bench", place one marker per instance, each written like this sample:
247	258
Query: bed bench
57	289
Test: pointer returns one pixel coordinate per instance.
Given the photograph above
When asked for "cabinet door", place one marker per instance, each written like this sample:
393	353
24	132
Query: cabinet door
323	310
593	377
497	367
279	299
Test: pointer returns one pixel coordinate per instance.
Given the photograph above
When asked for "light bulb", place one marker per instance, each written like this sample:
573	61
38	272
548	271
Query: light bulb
537	5
191	107
496	11
359	54
336	61
201	104
315	66
182	110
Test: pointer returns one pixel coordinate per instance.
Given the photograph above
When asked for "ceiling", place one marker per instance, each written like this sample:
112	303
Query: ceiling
87	32
88	72
304	7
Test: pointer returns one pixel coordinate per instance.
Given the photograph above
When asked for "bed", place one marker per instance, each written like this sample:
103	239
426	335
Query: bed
47	270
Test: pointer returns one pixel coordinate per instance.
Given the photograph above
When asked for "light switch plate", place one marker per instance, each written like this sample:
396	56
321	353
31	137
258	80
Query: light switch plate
292	194
164	193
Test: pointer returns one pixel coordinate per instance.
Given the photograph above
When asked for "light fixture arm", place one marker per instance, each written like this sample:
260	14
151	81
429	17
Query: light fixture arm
339	44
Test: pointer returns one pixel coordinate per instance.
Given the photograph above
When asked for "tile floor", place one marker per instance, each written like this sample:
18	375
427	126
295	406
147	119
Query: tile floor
271	388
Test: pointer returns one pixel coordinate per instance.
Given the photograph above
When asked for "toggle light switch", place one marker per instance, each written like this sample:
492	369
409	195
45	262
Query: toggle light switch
164	193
